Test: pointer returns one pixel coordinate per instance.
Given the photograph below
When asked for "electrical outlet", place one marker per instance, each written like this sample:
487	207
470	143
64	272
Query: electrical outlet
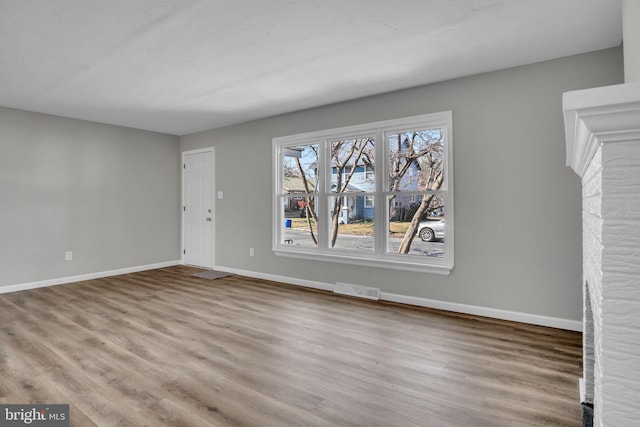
250	251
68	256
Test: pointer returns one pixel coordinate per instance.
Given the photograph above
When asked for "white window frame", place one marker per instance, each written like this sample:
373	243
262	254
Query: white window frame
369	201
378	258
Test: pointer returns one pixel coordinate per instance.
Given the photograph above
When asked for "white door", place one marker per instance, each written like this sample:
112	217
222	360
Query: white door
197	208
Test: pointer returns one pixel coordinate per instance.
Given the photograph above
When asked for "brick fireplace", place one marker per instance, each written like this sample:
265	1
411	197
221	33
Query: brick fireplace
602	127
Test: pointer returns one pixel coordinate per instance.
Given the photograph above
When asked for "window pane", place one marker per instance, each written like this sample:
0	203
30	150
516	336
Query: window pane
416	160
426	237
352	165
300	227
299	169
351	224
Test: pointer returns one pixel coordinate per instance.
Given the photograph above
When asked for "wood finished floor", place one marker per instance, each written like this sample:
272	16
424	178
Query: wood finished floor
162	348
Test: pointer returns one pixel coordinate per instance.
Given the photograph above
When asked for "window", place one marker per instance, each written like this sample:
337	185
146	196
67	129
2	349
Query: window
368	201
369	174
377	194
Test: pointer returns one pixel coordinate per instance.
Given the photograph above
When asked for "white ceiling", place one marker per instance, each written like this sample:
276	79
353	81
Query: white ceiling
183	66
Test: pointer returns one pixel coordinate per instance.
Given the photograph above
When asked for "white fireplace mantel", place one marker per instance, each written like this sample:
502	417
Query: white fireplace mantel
602	127
594	116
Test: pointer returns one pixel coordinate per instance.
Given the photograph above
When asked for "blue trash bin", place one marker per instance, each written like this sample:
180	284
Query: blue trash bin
287	223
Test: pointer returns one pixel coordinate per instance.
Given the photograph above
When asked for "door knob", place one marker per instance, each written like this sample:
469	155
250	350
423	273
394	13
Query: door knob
209	219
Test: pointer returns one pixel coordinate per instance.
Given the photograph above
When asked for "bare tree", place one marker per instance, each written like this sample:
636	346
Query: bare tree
346	155
309	207
309	188
421	151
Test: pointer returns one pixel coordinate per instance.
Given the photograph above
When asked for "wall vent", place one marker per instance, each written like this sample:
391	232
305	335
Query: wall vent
356	291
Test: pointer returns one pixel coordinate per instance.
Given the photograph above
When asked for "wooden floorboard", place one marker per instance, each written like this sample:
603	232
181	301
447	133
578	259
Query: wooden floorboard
163	348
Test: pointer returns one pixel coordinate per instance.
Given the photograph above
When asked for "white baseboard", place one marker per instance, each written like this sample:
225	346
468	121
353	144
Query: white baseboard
276	278
533	319
78	278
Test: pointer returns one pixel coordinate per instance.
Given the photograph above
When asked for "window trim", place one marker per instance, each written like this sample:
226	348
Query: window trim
379	258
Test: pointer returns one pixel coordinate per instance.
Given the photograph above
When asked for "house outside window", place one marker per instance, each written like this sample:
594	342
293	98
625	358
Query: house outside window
376	194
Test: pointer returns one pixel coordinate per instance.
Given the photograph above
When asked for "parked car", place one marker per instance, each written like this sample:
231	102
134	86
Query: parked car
431	229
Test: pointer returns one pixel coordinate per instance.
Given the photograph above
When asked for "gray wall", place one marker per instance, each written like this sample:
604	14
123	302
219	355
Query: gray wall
109	194
517	206
631	37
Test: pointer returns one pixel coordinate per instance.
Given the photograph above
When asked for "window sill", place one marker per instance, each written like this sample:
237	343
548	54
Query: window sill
438	267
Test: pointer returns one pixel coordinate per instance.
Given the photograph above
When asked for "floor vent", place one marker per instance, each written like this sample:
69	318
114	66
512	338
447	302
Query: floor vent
356	291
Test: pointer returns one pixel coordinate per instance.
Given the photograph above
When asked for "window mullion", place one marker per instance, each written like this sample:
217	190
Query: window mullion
381	225
324	161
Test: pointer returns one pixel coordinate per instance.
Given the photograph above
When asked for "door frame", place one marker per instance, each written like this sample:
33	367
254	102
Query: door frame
213	200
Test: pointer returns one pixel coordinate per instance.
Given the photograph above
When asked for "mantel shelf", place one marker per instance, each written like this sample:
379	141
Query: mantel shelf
599	115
